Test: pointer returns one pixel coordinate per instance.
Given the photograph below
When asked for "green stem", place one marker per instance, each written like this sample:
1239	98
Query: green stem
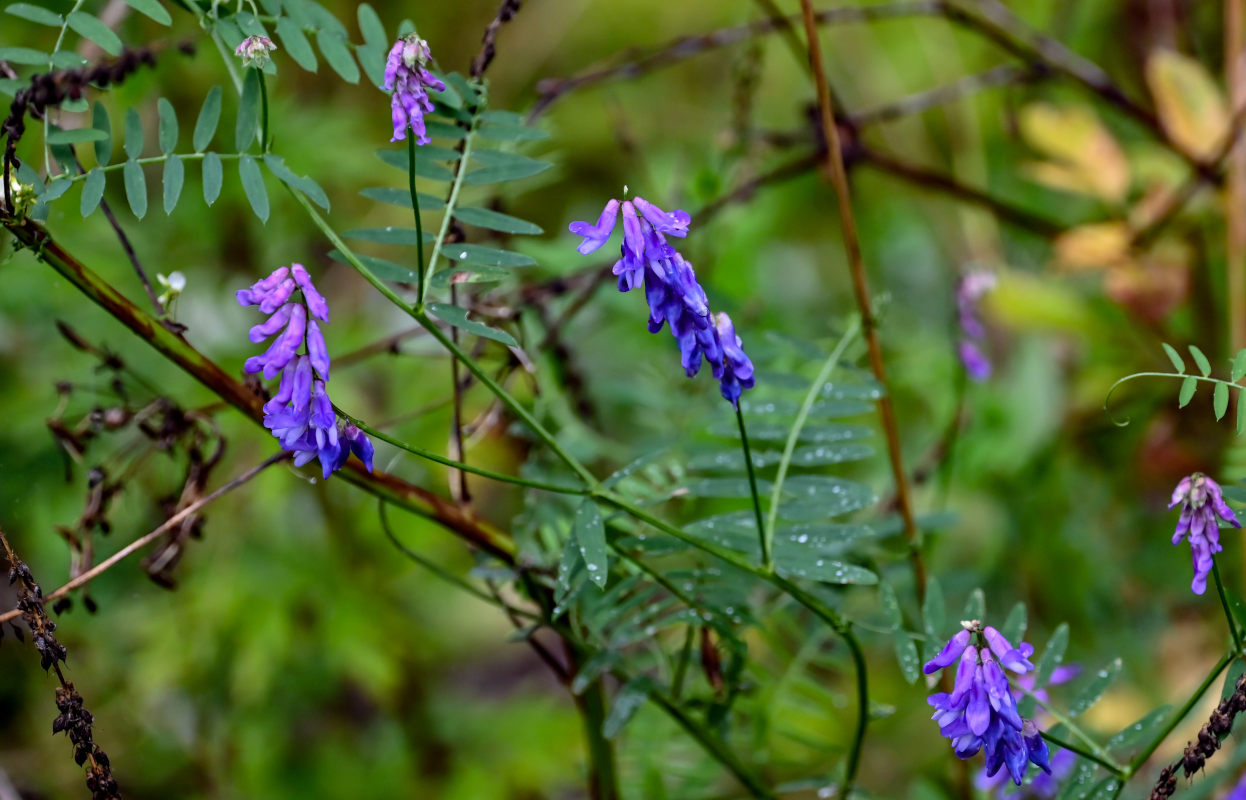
1224	603
419	316
1181	375
264	139
681	666
459	173
419	224
1181	714
823	612
824	375
713	745
506	397
767	557
1100	755
440	571
603	782
1084	753
449	462
146	160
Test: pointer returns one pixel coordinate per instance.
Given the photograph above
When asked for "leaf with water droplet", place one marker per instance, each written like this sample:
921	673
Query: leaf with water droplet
590	534
1091	693
1014	626
626	703
1053	654
906	656
1141	731
975	605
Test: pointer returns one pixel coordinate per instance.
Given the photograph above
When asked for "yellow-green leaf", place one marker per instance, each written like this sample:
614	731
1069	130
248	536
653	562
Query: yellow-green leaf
1191	105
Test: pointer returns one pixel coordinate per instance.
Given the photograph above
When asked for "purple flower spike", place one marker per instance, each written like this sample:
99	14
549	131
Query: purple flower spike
300	415
950	652
597	235
981	712
407	76
972	287
1202	510
672	292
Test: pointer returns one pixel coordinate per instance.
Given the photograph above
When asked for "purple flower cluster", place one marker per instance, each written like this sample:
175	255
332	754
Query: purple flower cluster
407	76
1045	785
980	713
1201	504
969	291
300	414
675	297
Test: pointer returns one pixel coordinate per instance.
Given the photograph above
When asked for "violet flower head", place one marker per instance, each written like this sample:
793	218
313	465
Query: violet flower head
254	51
1044	785
980	713
300	414
972	287
674	295
1202	508
407	76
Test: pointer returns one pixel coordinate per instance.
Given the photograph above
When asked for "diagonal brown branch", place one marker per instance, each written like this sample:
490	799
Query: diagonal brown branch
834	157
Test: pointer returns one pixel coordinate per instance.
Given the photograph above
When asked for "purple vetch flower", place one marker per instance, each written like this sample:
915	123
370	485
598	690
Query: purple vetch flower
980	713
300	414
1044	785
971	288
407	76
254	50
675	297
1202	508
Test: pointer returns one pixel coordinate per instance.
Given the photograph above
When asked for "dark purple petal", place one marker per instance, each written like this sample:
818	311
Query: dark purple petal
950	652
316	350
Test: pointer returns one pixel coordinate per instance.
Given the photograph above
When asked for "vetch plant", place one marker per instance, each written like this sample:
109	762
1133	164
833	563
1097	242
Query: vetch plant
733	608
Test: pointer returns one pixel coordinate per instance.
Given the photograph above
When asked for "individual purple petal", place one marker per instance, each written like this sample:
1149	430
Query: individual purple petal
950	652
1035	748
277	297
964	675
597	235
316	350
978	712
977	365
273	324
316	303
674	223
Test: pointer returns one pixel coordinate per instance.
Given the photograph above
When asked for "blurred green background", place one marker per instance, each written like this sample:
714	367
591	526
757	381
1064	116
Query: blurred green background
301	656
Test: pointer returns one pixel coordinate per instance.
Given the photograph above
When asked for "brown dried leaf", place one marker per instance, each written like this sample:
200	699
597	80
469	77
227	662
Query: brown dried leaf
1099	245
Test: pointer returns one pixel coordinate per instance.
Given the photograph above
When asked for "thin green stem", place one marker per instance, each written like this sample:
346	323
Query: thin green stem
1084	753
1101	756
824	375
438	570
460	172
419	224
681	666
715	746
1181	375
449	462
79	176
506	397
767	557
431	326
265	141
1181	714
603	781
1224	603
